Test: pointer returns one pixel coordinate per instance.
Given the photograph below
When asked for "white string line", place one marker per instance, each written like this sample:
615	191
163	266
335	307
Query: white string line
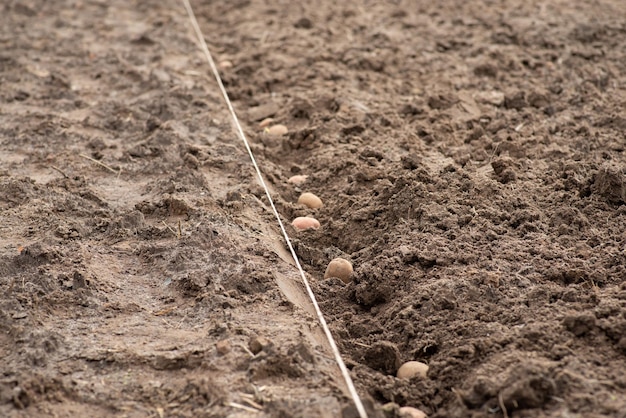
320	316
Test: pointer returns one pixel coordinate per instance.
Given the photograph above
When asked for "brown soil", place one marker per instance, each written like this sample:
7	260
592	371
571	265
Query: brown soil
470	156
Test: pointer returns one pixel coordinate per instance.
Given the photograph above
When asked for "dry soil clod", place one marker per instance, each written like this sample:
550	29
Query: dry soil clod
310	200
302	223
411	369
340	268
257	344
223	347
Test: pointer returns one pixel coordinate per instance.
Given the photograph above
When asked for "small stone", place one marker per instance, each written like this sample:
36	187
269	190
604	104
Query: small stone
223	347
257	344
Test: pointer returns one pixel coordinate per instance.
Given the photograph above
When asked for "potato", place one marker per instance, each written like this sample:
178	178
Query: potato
302	223
297	179
266	122
310	200
410	412
340	268
411	369
277	130
225	64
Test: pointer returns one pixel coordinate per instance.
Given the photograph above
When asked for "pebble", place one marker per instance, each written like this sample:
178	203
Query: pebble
303	223
310	200
411	369
277	130
340	268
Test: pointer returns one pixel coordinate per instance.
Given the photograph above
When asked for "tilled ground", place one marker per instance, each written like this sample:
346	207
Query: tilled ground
470	157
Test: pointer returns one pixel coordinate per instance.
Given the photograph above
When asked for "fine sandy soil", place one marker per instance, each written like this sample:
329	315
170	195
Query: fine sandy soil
469	154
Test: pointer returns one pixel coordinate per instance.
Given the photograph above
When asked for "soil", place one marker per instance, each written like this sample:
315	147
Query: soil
469	154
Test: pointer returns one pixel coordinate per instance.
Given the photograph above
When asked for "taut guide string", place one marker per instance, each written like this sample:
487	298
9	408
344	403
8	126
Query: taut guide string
344	371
